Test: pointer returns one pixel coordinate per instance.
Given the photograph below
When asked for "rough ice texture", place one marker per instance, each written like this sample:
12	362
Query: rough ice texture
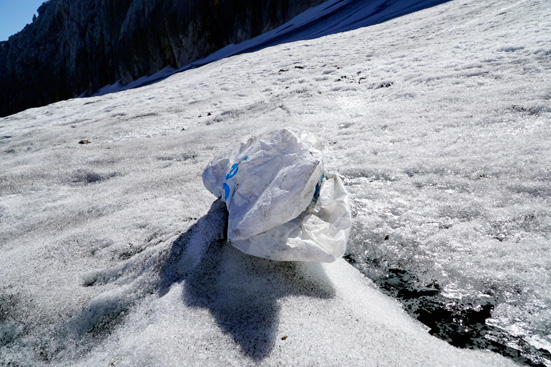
439	122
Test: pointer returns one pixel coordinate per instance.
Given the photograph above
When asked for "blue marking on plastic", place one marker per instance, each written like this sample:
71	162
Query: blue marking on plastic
233	171
226	191
318	188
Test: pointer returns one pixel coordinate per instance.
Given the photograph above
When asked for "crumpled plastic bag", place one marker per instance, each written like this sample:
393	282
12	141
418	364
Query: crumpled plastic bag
281	205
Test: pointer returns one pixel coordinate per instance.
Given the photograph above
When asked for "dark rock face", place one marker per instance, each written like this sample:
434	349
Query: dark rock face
75	47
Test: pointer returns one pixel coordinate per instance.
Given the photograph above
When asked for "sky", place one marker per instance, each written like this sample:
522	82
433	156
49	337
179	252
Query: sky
15	15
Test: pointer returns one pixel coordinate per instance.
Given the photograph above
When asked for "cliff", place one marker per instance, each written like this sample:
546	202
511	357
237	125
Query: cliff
75	47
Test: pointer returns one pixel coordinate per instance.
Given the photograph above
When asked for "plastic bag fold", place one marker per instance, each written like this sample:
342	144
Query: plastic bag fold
281	204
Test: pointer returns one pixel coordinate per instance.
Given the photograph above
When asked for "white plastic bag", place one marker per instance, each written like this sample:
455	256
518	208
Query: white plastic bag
281	205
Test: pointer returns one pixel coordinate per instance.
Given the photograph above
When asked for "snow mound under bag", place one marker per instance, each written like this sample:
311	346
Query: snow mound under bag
281	204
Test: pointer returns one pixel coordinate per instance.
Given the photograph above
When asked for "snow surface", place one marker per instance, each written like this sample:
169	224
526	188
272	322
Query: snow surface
110	252
330	17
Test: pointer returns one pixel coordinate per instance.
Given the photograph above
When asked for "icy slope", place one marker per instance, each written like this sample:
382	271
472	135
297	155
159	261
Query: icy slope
439	121
330	17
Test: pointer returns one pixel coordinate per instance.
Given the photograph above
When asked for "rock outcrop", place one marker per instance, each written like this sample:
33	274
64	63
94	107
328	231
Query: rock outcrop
75	47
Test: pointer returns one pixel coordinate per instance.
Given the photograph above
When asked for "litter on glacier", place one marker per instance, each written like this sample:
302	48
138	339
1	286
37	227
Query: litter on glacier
281	204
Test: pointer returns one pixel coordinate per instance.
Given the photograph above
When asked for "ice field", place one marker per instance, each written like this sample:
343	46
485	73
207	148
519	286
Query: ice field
438	121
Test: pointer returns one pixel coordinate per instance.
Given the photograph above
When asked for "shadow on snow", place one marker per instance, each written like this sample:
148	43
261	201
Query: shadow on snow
241	292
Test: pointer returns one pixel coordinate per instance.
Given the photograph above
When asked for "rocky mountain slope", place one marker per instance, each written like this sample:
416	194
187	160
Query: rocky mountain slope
75	47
